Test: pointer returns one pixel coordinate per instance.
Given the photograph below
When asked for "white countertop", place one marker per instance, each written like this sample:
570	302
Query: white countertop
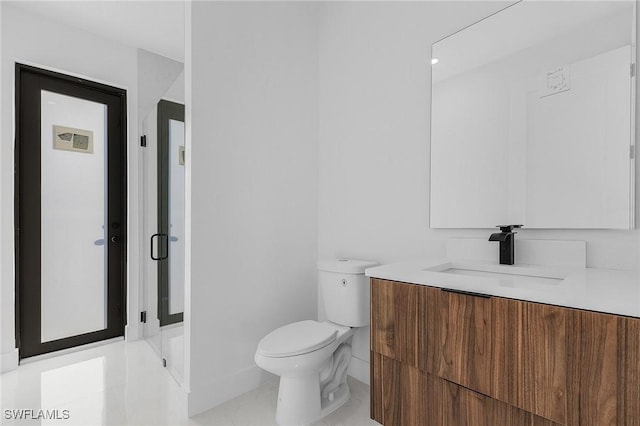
601	290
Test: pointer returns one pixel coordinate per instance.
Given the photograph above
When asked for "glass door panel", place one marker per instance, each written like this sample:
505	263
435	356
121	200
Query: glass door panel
73	202
169	239
170	178
176	217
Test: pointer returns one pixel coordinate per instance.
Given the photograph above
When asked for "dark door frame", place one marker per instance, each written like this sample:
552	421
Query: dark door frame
167	110
23	209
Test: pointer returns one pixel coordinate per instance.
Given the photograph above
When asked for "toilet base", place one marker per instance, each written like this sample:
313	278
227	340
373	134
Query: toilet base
299	401
339	398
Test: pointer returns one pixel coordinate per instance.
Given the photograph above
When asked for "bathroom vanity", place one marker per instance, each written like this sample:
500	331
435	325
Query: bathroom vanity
481	350
533	127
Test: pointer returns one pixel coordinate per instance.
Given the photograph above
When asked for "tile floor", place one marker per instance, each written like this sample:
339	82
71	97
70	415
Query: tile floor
168	340
258	407
125	384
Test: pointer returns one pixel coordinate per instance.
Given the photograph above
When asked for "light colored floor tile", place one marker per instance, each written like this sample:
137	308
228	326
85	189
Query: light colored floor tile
125	384
211	418
115	384
258	408
355	411
173	350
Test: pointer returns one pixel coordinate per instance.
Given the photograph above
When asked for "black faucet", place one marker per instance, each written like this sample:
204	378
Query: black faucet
506	238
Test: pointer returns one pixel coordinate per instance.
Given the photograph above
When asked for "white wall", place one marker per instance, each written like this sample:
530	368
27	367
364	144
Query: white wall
35	40
176	91
253	176
156	75
374	118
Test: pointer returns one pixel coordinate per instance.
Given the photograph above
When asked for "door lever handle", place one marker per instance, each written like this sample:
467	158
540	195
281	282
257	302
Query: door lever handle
166	248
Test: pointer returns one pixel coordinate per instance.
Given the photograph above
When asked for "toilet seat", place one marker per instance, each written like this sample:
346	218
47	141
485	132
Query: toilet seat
297	338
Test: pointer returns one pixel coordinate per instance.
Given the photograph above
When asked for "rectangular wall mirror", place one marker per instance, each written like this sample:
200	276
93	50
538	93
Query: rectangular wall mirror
532	118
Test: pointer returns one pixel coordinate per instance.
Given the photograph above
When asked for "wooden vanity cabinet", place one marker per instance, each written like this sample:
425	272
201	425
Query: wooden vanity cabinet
530	357
445	358
604	370
447	334
461	341
413	397
399	314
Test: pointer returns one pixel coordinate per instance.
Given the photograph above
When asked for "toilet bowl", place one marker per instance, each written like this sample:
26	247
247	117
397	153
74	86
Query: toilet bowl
302	354
312	357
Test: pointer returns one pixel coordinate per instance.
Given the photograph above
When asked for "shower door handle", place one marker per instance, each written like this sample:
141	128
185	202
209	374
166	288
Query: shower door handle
166	246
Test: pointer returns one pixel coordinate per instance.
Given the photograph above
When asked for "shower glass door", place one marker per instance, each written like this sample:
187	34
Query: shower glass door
165	284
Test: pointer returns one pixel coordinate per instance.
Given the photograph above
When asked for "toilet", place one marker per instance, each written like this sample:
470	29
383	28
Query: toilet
312	357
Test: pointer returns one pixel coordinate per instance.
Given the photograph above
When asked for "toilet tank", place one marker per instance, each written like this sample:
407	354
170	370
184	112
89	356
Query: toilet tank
345	290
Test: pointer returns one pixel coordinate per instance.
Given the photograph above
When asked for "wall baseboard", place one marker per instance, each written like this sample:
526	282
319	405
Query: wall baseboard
71	350
360	370
226	389
132	333
9	361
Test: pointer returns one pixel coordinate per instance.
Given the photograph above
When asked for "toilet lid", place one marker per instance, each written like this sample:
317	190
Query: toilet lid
297	338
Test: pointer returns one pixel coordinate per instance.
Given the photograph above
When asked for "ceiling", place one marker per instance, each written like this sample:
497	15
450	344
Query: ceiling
156	26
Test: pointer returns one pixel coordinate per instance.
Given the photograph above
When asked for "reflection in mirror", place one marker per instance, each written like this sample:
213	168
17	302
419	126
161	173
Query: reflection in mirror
176	215
170	178
532	119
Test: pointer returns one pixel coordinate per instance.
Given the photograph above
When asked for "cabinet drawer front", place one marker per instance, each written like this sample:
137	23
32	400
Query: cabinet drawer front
530	356
463	339
399	320
402	395
604	374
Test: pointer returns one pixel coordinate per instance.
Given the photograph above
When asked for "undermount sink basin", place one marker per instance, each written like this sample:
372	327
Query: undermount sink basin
508	276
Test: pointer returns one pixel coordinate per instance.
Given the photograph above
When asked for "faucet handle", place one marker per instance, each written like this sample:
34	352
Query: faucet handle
508	228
